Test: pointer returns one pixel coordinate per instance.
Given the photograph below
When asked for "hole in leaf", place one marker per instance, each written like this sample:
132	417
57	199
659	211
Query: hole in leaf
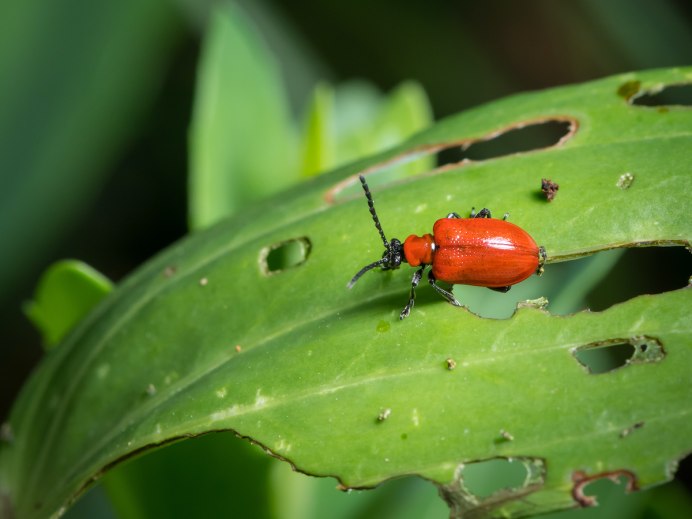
517	139
605	356
498	475
284	255
671	95
645	270
587	489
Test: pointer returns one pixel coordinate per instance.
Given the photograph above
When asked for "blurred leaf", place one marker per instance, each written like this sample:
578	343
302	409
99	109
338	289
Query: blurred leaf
77	73
296	495
294	361
216	475
66	292
242	142
355	120
319	144
405	112
656	34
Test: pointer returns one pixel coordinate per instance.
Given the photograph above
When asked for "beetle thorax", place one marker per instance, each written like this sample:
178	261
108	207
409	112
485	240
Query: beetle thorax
419	250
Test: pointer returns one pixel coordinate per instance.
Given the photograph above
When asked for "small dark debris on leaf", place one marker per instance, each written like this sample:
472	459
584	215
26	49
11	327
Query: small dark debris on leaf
169	271
384	414
629	430
625	181
549	188
451	364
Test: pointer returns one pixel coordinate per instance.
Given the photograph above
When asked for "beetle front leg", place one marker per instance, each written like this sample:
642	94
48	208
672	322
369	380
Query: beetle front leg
447	295
412	298
453	215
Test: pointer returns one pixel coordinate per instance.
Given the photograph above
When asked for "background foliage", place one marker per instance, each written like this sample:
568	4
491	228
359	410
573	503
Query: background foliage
93	128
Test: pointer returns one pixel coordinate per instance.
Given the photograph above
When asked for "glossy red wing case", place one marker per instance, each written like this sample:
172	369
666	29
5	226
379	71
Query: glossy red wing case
482	251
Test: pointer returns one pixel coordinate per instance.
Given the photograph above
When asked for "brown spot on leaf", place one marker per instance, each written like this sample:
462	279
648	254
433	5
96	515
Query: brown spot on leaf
628	89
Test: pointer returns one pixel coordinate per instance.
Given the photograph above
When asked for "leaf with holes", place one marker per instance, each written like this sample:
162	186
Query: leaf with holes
248	326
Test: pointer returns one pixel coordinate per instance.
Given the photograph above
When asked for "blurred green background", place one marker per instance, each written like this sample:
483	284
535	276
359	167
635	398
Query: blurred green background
96	99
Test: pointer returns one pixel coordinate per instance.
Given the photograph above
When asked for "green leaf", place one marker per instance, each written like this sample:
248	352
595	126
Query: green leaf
319	144
66	292
330	380
242	142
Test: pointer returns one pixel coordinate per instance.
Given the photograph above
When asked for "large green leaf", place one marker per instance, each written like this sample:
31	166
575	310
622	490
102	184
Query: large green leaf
204	338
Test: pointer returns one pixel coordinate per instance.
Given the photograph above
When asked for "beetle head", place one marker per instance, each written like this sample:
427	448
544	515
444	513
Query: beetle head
392	257
393	254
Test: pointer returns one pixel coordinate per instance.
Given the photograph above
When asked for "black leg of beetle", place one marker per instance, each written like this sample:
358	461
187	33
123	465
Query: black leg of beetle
447	295
504	218
483	213
412	298
453	215
500	289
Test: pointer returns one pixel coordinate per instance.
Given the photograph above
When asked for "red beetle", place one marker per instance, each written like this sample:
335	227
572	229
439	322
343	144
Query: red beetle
478	251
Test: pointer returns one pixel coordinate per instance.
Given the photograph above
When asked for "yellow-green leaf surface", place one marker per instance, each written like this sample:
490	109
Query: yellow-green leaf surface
214	334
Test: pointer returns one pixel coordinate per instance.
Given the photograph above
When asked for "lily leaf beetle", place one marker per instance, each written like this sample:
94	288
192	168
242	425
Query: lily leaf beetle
479	250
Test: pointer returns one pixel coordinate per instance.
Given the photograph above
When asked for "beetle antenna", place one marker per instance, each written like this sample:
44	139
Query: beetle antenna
371	205
365	269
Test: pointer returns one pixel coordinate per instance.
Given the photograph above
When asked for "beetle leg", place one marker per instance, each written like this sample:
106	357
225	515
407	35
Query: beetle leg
504	218
453	215
500	289
483	213
447	295
412	298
